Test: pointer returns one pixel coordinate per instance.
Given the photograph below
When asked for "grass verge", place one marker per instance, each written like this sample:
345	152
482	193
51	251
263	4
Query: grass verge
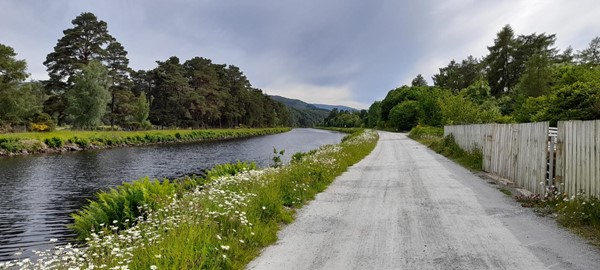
432	137
578	213
221	222
37	142
343	130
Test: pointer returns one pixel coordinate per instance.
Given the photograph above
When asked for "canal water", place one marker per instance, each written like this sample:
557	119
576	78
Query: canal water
38	193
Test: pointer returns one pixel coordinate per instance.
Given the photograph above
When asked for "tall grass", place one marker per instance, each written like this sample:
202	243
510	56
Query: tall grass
221	224
19	142
433	138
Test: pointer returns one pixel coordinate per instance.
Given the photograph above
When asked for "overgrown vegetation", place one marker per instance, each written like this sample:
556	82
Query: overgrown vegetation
432	137
39	142
579	213
221	222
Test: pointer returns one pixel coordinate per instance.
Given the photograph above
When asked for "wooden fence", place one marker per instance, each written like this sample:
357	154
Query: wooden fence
526	153
578	157
517	152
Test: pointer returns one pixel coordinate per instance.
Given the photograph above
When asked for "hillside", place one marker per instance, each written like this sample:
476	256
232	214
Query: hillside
331	107
303	114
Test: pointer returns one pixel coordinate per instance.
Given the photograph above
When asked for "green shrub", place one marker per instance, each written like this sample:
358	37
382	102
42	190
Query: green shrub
11	145
54	142
121	206
579	211
404	116
420	132
228	169
83	142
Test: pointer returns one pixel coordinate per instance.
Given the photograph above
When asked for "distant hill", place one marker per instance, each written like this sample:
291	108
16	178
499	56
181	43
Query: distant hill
303	114
331	107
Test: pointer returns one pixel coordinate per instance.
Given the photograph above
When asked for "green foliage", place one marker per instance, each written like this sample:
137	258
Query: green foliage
89	96
142	110
276	160
121	206
229	169
579	101
345	119
19	101
396	96
457	76
458	109
81	142
579	211
419	81
590	56
11	145
54	142
423	132
405	115
448	147
535	80
373	114
84	139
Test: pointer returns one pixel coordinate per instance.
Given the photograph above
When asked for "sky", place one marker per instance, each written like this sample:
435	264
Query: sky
339	52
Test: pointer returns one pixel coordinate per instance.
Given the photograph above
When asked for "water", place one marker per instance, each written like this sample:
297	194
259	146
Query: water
38	193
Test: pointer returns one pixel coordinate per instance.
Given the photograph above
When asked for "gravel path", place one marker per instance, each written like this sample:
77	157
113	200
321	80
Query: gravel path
406	207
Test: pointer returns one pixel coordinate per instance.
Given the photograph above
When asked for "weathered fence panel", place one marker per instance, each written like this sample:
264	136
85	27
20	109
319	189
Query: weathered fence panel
578	157
518	152
468	137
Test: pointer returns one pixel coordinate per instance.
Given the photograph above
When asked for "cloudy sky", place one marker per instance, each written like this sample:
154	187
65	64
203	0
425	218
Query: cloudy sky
344	52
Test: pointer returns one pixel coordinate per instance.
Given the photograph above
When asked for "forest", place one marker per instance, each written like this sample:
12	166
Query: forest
523	78
91	84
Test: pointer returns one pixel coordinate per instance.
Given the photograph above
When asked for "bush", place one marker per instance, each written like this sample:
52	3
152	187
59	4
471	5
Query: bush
404	116
420	132
82	142
10	145
121	206
54	142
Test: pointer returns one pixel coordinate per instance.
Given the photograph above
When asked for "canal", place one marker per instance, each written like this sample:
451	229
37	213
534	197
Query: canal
38	193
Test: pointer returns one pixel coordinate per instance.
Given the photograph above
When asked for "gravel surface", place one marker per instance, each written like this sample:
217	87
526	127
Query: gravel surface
406	207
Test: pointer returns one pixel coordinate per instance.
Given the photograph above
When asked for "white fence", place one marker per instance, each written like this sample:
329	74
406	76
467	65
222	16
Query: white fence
517	152
578	157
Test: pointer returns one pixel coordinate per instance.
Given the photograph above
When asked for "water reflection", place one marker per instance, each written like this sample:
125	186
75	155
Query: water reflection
38	193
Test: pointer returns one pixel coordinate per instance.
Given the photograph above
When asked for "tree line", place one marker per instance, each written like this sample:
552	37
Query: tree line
91	84
523	78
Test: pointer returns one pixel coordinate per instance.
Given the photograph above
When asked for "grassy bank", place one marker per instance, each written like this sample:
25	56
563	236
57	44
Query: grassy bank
343	130
66	140
218	222
433	138
579	213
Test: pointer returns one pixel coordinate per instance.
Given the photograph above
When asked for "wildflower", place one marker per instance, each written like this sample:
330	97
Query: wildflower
158	256
224	256
153	267
242	241
264	208
219	237
224	247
